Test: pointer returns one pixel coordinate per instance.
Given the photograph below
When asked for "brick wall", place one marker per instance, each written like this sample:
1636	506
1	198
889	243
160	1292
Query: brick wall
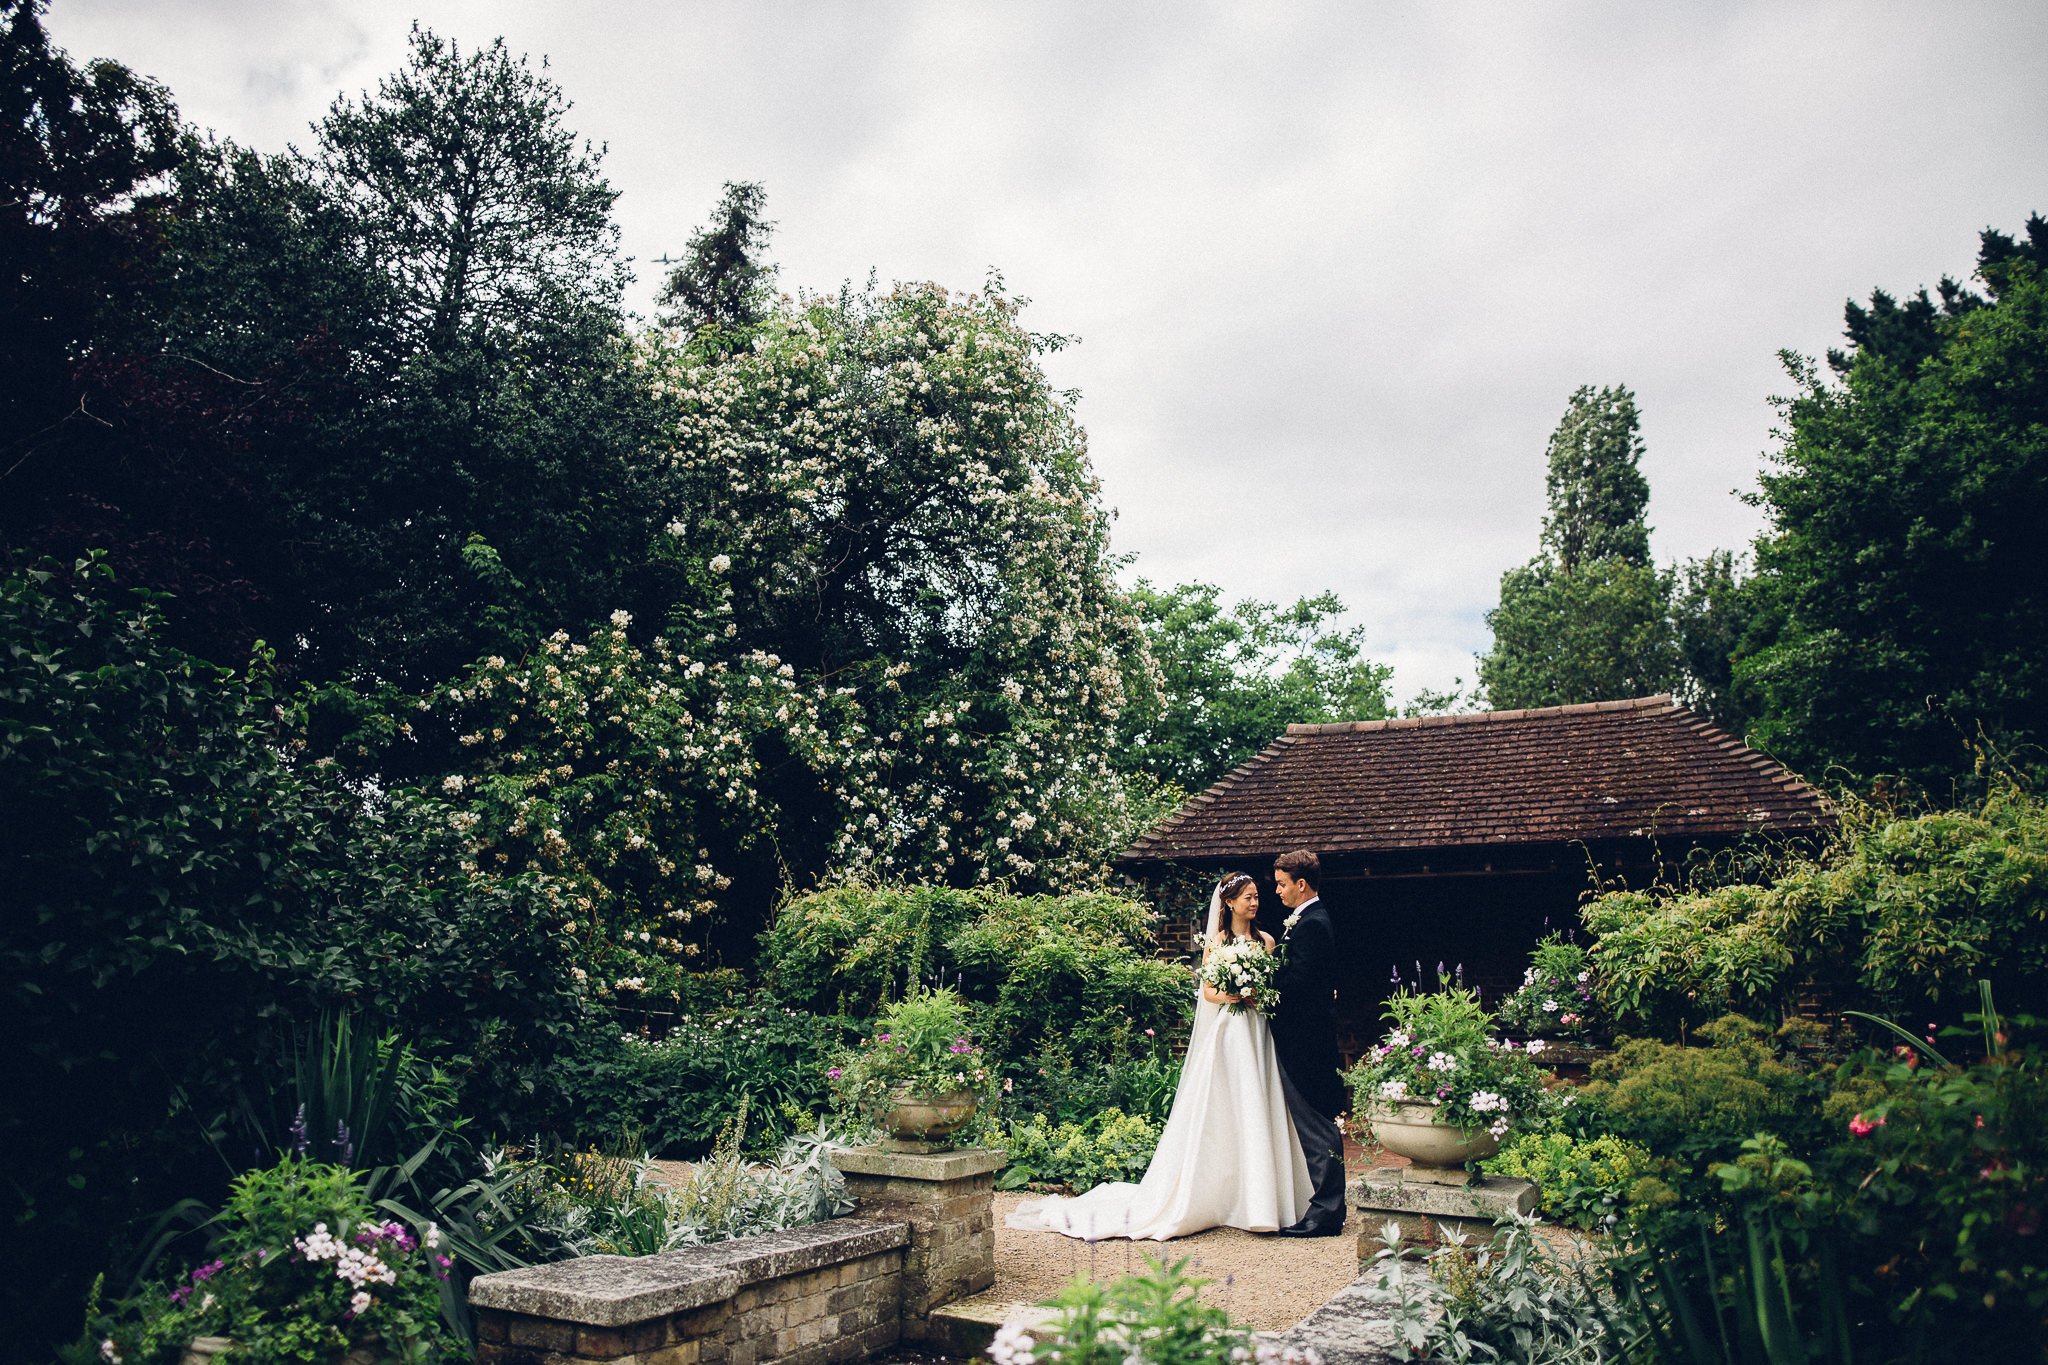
815	1295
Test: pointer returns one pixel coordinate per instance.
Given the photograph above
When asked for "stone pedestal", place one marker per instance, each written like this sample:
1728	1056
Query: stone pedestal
1427	1207
948	1198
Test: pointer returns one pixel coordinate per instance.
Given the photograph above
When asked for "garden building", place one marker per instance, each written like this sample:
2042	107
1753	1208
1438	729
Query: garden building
1463	839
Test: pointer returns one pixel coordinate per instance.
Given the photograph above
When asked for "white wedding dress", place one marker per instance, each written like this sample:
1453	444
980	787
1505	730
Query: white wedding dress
1227	1158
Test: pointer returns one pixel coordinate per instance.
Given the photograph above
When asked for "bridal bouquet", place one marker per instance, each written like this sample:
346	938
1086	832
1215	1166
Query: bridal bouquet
1243	968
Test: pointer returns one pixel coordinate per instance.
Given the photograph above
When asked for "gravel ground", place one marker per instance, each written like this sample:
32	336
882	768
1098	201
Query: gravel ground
1268	1283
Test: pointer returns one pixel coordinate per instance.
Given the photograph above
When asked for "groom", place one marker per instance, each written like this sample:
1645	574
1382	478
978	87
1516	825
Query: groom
1305	1039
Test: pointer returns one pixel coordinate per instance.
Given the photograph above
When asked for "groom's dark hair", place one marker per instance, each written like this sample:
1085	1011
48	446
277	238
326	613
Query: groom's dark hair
1301	865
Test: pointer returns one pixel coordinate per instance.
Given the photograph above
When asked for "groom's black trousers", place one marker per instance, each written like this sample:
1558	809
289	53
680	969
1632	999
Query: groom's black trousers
1323	1145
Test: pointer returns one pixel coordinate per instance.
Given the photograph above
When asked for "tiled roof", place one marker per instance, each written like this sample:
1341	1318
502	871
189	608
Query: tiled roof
1603	770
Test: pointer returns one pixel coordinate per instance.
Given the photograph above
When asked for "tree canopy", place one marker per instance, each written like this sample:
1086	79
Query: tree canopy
1588	619
1902	584
1231	680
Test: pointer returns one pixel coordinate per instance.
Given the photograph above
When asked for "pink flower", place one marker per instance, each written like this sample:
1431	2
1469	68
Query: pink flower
1863	1127
1150	1034
834	1074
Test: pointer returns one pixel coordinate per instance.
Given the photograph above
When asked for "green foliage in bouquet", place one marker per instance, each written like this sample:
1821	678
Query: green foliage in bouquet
922	1045
1556	997
1441	1051
1110	1146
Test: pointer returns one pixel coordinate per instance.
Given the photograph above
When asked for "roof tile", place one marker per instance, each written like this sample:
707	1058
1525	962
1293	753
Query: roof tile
1555	774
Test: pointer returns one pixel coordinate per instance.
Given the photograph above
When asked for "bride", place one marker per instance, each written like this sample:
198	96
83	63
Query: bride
1229	1156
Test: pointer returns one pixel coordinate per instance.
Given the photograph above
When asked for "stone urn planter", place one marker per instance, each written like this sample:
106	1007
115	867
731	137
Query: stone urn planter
1439	1151
915	1116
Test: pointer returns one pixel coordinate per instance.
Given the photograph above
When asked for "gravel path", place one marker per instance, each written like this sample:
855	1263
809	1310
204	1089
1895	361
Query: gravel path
1267	1283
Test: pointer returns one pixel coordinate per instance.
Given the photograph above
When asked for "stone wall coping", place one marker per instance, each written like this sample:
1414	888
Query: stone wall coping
619	1291
1384	1190
933	1166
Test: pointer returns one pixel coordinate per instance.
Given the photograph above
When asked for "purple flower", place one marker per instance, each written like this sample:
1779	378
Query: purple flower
834	1074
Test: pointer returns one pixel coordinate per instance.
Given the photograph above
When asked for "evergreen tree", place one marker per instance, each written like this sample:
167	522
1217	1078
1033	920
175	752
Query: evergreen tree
1902	589
1589	618
724	283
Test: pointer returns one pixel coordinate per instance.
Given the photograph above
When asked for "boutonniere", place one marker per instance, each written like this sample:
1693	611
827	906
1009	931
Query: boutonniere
1292	920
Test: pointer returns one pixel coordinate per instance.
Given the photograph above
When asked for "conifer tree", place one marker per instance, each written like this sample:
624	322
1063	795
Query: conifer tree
1588	619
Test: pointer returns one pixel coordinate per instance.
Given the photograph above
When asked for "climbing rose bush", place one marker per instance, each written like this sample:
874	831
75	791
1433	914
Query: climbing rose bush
884	641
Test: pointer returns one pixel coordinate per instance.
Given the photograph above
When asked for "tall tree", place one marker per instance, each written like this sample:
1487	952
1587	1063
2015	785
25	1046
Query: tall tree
84	156
725	283
1232	679
488	214
1595	482
1588	619
1902	588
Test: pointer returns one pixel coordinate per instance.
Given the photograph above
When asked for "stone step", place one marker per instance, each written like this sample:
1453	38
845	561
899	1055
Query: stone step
966	1327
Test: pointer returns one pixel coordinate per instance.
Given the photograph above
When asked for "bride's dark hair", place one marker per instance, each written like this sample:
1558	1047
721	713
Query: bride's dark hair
1225	889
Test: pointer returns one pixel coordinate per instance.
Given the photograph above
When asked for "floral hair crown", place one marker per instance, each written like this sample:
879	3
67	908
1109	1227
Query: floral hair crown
1232	883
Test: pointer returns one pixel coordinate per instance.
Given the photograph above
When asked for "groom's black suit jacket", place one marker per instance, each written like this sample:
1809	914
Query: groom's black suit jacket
1305	1024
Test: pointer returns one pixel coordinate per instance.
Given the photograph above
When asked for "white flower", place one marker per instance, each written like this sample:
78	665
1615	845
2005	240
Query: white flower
359	1302
1398	1038
622	619
1550	1007
1486	1102
720	563
1394	1090
451	784
674	528
1442	1061
1536	1045
1585	976
1012	1346
108	1353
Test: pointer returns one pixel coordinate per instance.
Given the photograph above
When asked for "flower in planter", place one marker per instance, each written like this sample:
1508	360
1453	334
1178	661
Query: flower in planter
923	1047
1441	1050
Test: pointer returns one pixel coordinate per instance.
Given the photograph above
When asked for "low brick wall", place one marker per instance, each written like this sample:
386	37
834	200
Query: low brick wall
948	1199
829	1292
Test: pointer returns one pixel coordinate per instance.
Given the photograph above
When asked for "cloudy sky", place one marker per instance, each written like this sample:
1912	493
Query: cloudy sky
1335	267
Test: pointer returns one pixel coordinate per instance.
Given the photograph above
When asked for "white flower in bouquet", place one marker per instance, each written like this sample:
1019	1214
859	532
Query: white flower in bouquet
1243	968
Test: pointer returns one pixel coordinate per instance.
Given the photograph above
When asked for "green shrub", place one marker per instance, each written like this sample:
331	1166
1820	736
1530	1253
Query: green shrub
1899	911
1692	1102
1583	1181
1509	1299
180	883
1943	1183
1157	1315
1080	1156
1078	966
679	1092
284	1286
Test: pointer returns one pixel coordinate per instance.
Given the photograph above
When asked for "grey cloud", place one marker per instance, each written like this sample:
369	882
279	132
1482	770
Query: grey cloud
1336	266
